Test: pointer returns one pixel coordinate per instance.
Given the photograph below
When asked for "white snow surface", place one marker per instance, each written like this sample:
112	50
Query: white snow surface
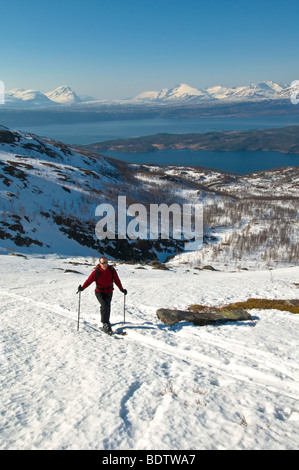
186	387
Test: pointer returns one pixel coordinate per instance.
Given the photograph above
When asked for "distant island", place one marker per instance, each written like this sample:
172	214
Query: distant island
284	140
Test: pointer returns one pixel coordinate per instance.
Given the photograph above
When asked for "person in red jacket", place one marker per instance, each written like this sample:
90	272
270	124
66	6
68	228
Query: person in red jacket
104	276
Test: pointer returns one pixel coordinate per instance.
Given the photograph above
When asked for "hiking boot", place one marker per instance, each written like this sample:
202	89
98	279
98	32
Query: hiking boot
107	328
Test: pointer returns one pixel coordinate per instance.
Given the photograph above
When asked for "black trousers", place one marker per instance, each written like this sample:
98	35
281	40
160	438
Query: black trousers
105	302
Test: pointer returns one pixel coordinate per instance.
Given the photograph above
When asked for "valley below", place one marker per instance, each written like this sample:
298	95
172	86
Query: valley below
50	192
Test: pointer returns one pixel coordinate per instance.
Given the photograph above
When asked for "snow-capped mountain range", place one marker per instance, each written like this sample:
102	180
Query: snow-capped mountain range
183	93
19	98
180	94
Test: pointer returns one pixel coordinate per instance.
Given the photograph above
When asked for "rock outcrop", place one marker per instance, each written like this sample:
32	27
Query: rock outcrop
202	316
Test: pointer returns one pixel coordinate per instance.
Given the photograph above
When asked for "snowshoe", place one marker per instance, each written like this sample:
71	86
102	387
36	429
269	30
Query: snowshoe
107	329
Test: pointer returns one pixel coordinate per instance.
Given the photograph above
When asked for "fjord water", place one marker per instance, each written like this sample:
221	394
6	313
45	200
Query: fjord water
240	162
74	132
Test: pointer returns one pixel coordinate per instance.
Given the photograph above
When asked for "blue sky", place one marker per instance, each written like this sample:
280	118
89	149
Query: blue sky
115	49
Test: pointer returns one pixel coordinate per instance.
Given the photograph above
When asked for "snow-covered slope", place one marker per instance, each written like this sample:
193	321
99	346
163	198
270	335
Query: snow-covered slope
250	221
232	386
49	194
45	185
26	98
229	387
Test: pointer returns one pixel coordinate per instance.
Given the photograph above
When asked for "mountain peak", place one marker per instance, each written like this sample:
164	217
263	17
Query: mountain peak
32	96
20	98
63	94
181	92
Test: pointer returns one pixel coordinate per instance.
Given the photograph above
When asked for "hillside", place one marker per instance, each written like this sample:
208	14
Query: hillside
49	194
183	387
285	140
231	386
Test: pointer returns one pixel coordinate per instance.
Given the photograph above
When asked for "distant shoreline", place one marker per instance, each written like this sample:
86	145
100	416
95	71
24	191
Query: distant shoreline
283	140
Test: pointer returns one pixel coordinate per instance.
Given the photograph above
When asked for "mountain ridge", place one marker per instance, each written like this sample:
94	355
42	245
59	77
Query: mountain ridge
284	140
267	90
62	95
183	94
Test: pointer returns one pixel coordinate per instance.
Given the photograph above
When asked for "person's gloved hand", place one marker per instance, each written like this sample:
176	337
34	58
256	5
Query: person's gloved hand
125	291
80	289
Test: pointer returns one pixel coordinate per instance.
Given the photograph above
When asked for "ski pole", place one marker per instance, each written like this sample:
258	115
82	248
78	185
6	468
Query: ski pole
79	310
124	308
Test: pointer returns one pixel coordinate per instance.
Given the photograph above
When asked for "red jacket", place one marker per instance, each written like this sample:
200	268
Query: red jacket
104	283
